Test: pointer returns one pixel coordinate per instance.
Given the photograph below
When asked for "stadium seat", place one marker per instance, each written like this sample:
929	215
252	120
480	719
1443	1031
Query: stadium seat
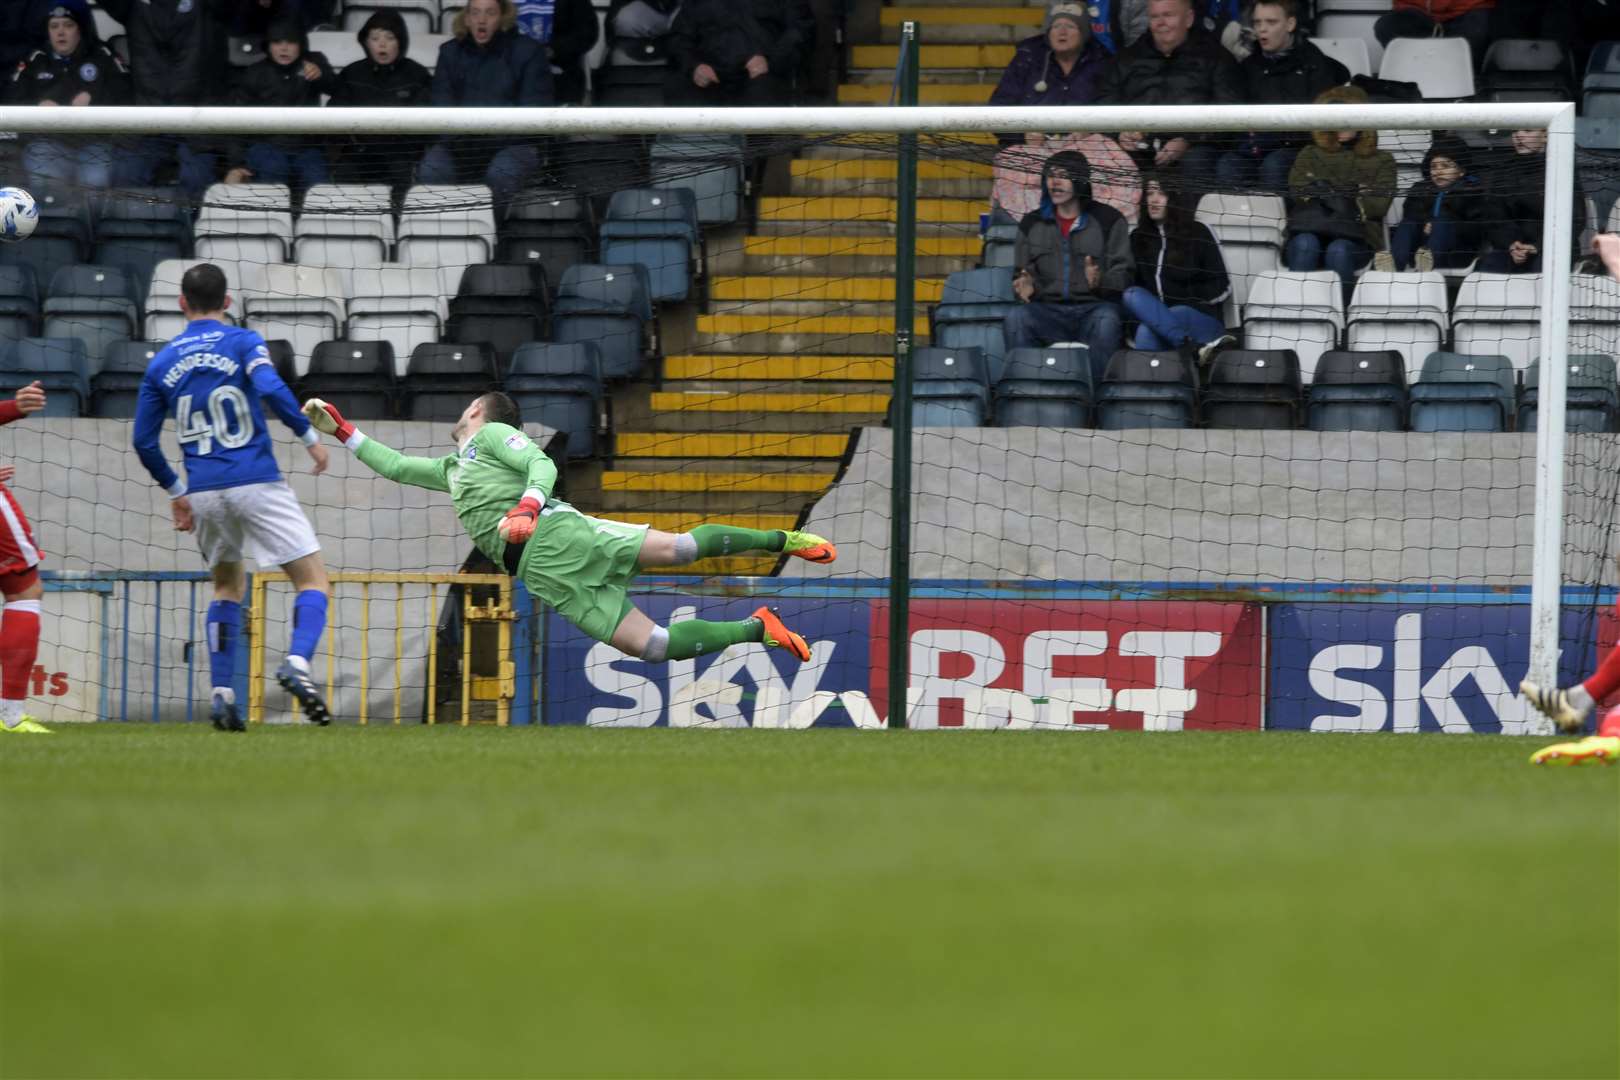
1592	395
342	48
1251	230
1600	86
551	227
710	166
1498	314
301	304
1299	311
447	225
440	380
1402	311
61	366
1527	69
1463	393
1358	391
1594	314
1352	25
65	215
1352	52
1000	240
656	228
115	389
245	222
560	387
95	304
19	303
951	388
43	255
1048	387
608	305
405	306
1147	390
139	228
1250	389
421	17
629	85
970	314
163	318
1597	132
1443	67
501	305
345	226
360	374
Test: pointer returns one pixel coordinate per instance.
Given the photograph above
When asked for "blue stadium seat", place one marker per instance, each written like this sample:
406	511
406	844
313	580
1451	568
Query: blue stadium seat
138	228
1143	389
1048	387
359	375
609	306
115	389
1253	389
502	305
656	228
949	388
1358	391
560	386
1592	397
96	304
441	380
1455	392
970	313
19	303
61	365
711	166
1526	69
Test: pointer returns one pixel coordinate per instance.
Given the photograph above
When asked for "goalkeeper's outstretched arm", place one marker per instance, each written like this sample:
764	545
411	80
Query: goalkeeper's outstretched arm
430	473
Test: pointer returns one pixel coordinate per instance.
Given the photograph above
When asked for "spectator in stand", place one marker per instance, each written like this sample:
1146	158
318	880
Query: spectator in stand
1342	185
1173	66
1284	69
1467	19
487	63
386	78
1060	66
1181	279
737	52
1518	202
1443	218
289	77
176	57
1074	262
568	29
73	69
1117	24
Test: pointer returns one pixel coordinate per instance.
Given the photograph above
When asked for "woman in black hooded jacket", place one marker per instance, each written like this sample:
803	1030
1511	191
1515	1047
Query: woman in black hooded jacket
1181	277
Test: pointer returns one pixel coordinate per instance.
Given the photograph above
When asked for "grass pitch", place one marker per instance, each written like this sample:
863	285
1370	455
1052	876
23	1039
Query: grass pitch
437	902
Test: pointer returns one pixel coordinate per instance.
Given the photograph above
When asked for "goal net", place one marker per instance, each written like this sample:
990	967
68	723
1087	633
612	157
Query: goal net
1333	518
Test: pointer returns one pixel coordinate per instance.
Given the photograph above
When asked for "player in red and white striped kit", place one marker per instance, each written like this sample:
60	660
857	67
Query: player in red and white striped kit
20	584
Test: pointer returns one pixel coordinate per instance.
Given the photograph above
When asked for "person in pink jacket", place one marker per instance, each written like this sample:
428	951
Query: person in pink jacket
1468	19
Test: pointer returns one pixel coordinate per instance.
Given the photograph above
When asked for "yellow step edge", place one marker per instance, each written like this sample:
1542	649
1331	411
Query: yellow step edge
963	16
707	444
724	401
709	366
857	169
935	56
877	247
716	482
849	289
927	93
868	208
836	325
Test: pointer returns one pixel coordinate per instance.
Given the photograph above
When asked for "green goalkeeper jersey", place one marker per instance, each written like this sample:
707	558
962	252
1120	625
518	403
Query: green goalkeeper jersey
485	478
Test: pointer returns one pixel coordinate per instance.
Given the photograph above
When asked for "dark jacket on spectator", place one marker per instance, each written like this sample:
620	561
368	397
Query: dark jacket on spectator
1194	275
366	83
1034	77
1466	202
1358	171
267	84
569	33
92	68
1293	77
725	33
1199	72
1057	263
176	49
510	70
1518	203
19	35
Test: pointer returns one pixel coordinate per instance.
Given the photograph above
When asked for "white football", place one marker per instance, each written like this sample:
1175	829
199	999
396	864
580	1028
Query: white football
18	215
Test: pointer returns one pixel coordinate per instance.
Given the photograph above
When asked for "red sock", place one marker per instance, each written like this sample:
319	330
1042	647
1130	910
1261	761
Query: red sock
19	644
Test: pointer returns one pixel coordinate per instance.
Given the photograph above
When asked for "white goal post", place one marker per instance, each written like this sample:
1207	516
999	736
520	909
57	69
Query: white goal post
1557	119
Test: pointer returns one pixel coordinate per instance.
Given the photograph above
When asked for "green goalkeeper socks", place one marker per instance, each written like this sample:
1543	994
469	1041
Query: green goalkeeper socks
694	637
730	540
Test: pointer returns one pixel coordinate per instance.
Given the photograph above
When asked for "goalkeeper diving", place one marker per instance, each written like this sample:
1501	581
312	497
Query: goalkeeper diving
501	484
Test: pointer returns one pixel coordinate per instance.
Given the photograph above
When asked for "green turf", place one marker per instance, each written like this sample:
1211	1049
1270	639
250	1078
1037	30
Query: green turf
436	902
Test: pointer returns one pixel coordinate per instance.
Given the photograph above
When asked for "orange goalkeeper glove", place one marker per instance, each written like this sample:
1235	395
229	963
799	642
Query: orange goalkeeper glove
518	524
327	419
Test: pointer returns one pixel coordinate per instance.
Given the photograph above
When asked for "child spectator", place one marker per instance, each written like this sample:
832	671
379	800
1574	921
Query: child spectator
289	77
1442	220
386	78
74	69
1181	279
1062	65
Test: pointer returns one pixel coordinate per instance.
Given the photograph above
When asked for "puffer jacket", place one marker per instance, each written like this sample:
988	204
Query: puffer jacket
510	70
1360	171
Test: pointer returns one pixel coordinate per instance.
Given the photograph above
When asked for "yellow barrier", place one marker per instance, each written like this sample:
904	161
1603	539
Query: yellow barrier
499	612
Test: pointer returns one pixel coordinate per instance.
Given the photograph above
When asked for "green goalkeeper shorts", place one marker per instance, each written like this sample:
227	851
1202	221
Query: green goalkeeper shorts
582	566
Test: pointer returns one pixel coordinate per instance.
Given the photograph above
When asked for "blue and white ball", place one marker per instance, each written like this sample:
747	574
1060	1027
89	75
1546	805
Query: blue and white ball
18	215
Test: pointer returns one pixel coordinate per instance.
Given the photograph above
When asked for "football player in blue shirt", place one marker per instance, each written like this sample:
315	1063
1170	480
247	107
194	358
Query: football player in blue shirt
211	379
